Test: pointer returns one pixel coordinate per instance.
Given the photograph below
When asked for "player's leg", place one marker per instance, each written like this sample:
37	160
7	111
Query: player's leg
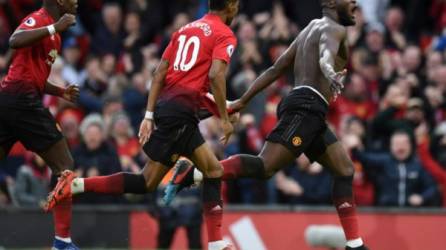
165	234
120	183
58	158
37	131
7	139
194	236
272	158
337	160
208	164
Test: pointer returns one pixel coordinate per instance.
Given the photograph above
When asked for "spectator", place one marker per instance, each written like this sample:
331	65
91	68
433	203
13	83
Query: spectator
95	156
430	164
127	145
394	24
32	182
71	72
134	98
108	38
386	121
400	178
309	183
355	101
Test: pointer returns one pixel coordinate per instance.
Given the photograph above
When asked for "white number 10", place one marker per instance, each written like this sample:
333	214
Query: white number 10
183	49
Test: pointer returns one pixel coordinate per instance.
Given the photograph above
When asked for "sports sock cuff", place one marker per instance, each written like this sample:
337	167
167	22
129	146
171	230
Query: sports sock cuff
211	190
134	184
77	186
342	187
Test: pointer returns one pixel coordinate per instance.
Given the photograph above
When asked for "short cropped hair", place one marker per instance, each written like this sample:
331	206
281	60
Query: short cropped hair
219	4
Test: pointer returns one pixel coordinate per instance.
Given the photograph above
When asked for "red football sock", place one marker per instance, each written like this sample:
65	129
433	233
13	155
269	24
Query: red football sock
112	184
231	167
213	215
347	214
62	219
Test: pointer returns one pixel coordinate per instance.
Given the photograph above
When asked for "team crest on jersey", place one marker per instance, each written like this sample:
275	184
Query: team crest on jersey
230	50
30	22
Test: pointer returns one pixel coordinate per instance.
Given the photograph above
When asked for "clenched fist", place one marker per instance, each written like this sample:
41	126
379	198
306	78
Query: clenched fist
65	22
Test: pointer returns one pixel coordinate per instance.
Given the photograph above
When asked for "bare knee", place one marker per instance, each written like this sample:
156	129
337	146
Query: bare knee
347	169
214	172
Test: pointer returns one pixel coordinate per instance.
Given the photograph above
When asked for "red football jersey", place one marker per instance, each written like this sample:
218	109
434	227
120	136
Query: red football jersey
190	54
32	65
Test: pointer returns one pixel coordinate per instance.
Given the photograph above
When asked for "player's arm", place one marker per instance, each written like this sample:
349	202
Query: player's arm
329	44
26	37
157	85
269	76
71	93
217	77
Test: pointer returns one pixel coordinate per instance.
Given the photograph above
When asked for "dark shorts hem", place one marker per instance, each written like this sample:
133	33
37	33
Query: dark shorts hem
172	138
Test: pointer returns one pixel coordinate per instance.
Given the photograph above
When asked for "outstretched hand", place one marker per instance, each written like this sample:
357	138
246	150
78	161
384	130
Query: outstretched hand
71	93
337	82
236	105
145	130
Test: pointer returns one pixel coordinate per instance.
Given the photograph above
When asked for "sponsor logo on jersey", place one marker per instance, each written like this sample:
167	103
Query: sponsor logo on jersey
230	50
30	22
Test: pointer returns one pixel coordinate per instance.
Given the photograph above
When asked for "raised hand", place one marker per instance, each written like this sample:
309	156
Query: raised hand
65	22
71	93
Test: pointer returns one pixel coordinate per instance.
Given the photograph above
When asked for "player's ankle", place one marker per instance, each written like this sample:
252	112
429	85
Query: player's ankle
77	186
64	239
217	245
355	243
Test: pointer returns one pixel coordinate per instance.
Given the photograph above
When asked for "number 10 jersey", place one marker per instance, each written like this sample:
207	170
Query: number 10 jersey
190	54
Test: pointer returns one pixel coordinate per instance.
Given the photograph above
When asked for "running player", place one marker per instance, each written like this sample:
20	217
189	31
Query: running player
318	55
22	116
197	54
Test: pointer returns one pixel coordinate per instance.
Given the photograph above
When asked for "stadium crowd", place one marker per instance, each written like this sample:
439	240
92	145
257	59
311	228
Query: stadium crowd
391	115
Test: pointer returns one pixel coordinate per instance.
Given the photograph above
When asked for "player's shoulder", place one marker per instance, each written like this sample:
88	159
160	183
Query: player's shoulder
34	19
330	27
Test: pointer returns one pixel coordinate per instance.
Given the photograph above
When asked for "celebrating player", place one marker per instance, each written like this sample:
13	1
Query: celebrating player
22	116
197	54
319	55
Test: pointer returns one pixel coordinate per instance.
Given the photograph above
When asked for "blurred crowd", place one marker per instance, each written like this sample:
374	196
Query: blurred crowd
391	116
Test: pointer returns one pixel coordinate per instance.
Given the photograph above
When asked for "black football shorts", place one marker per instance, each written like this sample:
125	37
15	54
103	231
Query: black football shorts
35	128
302	127
172	138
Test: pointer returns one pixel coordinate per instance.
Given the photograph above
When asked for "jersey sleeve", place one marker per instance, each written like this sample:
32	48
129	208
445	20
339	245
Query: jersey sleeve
224	47
167	54
30	22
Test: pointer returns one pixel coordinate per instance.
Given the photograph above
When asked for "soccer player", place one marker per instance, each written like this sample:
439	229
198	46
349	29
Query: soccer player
198	54
22	116
318	55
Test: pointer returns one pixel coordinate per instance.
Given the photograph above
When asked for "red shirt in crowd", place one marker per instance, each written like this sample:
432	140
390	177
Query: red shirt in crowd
344	108
32	65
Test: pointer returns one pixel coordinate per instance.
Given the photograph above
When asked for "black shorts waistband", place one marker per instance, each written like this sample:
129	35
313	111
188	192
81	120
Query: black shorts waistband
308	89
